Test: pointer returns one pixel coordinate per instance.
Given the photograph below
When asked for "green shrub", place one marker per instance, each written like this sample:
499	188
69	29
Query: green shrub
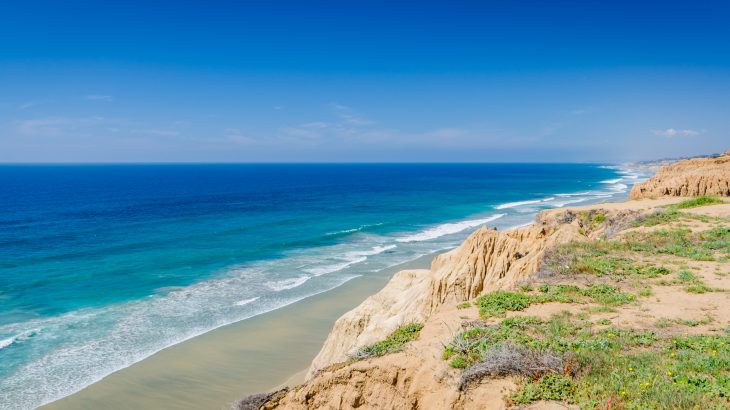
499	302
548	387
393	343
608	295
698	201
458	363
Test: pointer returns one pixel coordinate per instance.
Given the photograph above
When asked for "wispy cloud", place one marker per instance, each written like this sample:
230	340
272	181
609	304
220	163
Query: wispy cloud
90	126
673	132
345	130
348	116
55	126
29	104
42	127
98	97
236	136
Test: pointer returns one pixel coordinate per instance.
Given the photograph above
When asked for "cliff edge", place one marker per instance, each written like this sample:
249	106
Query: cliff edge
693	177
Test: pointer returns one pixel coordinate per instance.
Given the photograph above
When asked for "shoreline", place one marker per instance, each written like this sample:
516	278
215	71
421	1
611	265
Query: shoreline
219	372
207	371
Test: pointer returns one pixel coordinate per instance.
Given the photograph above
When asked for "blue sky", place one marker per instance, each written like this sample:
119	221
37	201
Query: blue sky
363	81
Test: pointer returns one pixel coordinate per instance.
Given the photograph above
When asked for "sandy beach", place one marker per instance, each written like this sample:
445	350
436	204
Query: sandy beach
213	370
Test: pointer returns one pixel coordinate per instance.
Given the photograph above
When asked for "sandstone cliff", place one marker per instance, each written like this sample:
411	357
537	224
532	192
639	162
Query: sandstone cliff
418	377
488	259
692	177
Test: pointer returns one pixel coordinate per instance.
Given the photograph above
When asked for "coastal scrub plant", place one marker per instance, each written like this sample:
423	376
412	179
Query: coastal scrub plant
391	344
500	302
682	242
567	359
696	202
599	258
692	282
592	219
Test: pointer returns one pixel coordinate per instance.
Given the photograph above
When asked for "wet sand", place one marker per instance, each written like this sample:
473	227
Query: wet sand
213	370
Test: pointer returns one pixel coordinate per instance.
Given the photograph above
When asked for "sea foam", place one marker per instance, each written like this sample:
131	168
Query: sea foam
246	301
447	229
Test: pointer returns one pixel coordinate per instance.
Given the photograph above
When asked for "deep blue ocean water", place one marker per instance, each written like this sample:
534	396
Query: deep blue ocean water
102	265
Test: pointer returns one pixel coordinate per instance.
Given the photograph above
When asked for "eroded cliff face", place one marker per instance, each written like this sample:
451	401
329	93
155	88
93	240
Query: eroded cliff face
418	377
487	260
692	177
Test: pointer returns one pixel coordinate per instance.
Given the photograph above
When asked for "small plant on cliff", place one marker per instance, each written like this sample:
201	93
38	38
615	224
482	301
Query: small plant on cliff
499	302
464	305
592	219
393	343
549	387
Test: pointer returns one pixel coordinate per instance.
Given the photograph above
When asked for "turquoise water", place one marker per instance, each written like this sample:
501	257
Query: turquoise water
101	266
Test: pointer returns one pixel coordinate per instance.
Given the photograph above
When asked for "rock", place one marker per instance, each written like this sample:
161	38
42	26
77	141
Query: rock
692	177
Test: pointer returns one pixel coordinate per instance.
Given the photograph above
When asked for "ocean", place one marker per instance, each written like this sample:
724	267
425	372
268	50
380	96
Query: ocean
104	265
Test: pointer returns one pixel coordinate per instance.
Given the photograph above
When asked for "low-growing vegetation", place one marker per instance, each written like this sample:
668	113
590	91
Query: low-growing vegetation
702	246
696	202
672	214
600	258
566	358
614	258
500	302
393	343
592	219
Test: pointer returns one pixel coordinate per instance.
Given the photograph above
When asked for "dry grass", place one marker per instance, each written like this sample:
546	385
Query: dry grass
510	359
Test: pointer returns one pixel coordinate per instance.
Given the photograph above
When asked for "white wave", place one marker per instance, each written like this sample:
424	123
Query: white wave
343	231
7	342
518	203
522	203
611	181
575	194
246	301
447	229
19	337
285	284
359	228
572	201
374	251
619	187
319	271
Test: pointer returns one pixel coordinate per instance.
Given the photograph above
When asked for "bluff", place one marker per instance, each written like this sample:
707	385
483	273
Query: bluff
692	177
